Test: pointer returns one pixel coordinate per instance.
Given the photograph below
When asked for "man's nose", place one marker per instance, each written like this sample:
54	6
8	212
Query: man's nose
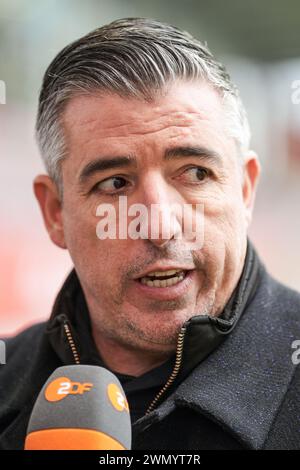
162	202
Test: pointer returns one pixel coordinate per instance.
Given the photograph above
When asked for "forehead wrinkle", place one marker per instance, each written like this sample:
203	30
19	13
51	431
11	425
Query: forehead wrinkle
92	123
178	95
131	130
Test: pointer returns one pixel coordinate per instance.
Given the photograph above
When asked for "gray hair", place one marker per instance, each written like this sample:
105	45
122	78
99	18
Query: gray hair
135	57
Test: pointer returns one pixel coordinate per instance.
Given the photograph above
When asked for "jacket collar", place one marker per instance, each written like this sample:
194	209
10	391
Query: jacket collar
205	333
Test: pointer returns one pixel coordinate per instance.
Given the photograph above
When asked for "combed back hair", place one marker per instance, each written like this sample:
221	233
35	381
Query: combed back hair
132	57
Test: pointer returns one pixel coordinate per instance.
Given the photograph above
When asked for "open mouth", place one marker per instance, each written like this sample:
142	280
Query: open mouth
163	278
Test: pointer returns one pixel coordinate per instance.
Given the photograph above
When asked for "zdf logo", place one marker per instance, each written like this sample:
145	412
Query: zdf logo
117	398
61	387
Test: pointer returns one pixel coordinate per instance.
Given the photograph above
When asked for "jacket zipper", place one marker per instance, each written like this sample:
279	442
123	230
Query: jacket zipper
71	343
170	381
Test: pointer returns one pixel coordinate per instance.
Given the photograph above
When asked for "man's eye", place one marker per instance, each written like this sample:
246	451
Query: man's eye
111	185
195	174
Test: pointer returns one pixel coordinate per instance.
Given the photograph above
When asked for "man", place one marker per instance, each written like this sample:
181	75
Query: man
200	335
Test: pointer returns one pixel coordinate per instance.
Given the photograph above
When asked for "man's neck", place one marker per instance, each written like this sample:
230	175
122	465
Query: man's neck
124	360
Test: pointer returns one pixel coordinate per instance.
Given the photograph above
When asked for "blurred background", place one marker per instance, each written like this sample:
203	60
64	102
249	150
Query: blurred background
259	42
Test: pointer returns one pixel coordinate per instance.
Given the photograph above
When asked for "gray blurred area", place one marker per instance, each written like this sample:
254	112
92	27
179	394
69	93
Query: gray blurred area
259	42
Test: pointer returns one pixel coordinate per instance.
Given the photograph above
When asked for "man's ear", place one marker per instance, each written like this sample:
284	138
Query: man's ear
46	192
251	174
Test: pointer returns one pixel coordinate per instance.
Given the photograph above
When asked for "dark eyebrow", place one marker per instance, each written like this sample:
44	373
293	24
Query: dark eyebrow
125	161
106	163
202	153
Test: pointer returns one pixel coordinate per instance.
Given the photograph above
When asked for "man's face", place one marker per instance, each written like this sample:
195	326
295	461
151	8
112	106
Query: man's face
102	127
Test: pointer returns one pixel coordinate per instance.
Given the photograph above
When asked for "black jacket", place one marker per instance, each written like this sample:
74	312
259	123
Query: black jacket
237	386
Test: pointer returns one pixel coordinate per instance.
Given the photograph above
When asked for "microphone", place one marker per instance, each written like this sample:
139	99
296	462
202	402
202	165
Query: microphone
80	407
